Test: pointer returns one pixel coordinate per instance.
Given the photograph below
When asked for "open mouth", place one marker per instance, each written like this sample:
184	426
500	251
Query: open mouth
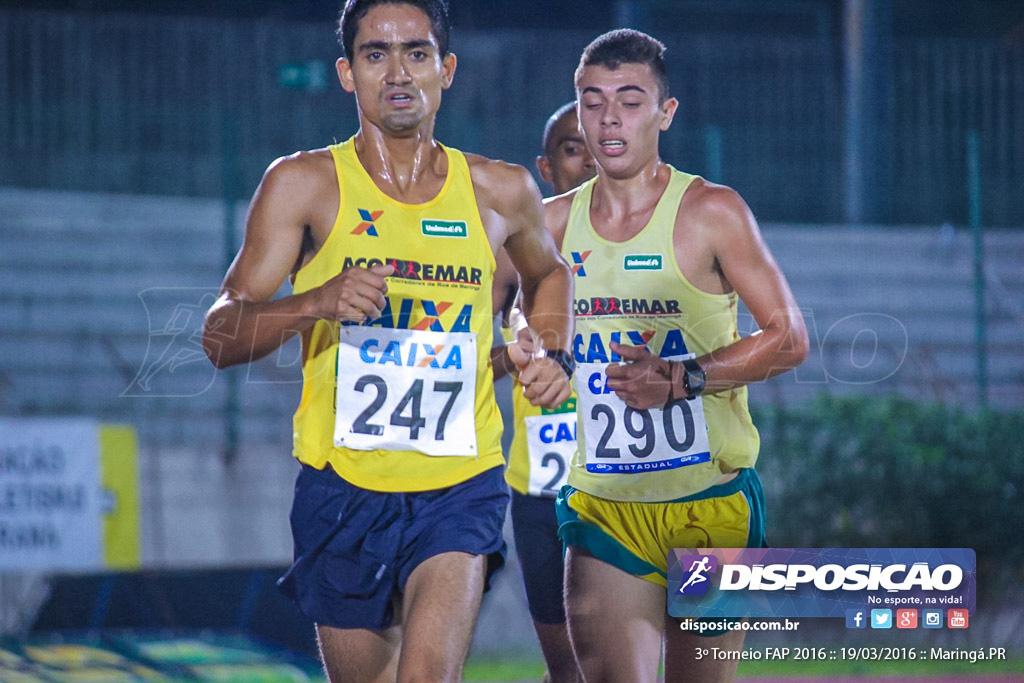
613	146
400	98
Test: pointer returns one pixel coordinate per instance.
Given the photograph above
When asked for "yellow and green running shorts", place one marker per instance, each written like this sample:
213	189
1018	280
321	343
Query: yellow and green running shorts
636	537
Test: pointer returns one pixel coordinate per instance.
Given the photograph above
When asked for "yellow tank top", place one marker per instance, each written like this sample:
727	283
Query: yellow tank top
543	443
404	402
633	293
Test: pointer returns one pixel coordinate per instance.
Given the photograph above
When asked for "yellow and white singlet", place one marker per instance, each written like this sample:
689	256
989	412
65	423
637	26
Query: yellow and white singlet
634	293
543	443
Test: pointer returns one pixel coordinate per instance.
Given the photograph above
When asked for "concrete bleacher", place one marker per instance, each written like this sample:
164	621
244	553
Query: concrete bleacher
102	302
892	310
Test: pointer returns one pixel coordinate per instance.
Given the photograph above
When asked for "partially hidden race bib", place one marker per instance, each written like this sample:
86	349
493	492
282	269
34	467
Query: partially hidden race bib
551	444
406	390
622	440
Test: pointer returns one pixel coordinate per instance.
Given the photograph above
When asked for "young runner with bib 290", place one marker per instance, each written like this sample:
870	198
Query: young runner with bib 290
666	444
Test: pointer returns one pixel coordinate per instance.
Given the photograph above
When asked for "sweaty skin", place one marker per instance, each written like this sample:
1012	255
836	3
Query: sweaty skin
719	249
397	74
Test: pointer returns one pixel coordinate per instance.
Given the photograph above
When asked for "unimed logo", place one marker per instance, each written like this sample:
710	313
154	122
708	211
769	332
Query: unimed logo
697	571
642	262
433	227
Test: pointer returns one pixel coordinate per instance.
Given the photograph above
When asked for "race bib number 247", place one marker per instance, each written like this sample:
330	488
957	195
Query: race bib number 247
406	390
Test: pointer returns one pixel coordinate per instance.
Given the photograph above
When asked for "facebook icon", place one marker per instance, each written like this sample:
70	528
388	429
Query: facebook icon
856	618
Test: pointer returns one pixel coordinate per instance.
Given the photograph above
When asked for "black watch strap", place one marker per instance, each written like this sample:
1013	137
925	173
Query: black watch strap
694	378
564	359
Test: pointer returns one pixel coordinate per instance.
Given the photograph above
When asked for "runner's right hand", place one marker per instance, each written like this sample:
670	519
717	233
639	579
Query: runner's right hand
354	295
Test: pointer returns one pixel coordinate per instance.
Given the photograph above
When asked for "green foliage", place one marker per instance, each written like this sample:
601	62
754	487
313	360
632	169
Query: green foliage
887	472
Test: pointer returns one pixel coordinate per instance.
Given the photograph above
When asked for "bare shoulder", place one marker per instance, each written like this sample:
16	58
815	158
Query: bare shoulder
718	205
301	173
556	214
501	186
297	190
716	216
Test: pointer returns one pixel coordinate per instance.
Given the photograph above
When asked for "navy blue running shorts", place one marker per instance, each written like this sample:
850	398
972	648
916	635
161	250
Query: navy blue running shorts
535	529
355	548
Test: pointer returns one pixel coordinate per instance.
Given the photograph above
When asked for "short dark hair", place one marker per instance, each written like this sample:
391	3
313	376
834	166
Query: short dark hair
354	10
627	46
553	120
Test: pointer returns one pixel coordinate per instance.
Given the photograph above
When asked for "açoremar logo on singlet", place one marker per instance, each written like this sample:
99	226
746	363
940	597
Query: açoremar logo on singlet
642	262
434	227
368	226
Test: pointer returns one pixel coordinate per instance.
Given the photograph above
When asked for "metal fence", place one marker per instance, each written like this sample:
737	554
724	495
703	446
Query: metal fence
186	106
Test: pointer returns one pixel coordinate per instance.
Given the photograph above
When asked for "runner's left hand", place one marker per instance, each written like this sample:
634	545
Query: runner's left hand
641	380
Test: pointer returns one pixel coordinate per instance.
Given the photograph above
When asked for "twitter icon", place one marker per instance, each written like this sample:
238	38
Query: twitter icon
881	618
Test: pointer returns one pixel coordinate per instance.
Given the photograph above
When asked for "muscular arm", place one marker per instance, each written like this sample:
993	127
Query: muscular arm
747	265
510	206
503	297
546	280
245	324
721	246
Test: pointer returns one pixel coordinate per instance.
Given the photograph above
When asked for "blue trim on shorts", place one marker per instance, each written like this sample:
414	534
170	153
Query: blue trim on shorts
535	529
355	548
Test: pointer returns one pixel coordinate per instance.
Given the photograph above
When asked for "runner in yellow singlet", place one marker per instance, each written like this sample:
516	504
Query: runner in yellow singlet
544	440
666	447
389	240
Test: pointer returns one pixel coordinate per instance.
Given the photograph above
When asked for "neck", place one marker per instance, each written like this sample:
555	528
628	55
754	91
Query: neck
616	197
400	164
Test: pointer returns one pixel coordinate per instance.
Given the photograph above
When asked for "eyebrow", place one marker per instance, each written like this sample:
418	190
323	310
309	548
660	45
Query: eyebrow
384	46
624	88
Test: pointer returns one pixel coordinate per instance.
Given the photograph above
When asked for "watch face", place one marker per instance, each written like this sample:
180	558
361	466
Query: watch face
694	382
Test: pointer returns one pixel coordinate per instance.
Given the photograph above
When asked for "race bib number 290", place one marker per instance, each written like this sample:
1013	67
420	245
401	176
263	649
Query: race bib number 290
623	440
406	390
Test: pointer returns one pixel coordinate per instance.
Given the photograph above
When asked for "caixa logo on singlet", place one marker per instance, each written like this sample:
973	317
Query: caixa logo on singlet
368	225
410	354
578	259
696	575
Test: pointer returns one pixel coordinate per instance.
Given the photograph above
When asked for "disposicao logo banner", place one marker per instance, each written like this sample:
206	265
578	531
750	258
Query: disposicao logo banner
815	582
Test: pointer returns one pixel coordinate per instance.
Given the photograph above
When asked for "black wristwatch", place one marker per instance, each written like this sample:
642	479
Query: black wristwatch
694	378
564	359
